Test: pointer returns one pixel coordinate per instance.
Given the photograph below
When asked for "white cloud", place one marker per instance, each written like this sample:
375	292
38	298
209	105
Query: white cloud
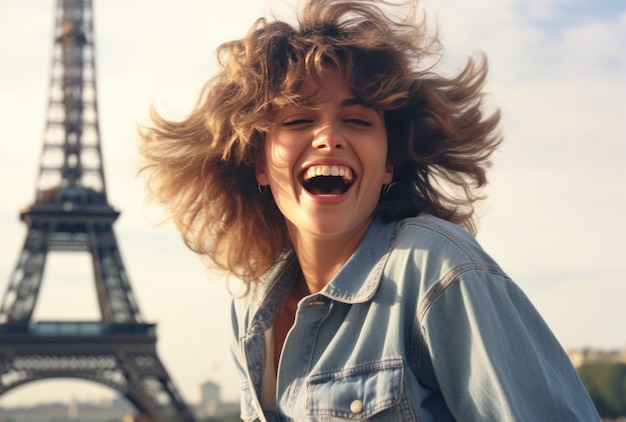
556	205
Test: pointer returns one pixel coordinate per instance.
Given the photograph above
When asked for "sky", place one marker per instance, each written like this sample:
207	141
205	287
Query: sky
553	217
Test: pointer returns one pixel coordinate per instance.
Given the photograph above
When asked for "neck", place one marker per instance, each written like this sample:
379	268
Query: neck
321	257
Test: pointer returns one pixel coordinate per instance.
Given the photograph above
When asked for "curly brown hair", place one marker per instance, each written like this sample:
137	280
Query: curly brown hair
203	167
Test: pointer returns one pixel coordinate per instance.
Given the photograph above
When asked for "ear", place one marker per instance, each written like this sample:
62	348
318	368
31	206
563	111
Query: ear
388	174
261	172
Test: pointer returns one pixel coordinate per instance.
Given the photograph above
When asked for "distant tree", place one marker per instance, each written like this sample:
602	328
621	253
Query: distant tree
606	384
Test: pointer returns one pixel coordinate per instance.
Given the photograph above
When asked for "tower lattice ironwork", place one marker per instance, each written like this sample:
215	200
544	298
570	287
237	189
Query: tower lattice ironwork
71	213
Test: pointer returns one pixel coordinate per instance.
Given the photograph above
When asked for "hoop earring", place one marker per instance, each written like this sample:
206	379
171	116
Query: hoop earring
386	189
262	188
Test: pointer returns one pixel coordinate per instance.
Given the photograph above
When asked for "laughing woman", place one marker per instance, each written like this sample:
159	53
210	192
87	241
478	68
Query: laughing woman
333	171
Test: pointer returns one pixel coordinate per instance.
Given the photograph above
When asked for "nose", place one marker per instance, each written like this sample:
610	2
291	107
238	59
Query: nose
329	136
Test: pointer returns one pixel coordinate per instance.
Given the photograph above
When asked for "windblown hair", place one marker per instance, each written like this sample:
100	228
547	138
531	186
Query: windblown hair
203	167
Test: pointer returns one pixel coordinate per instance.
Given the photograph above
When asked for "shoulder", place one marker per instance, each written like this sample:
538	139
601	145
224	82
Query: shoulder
433	237
430	255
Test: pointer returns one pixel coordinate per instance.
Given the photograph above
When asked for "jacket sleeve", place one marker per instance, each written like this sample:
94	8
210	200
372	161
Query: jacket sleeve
494	358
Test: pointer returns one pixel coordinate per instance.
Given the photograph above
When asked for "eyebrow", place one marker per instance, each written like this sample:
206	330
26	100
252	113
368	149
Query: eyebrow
348	102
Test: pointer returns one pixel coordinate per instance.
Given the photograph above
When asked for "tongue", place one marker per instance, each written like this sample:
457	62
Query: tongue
326	185
320	192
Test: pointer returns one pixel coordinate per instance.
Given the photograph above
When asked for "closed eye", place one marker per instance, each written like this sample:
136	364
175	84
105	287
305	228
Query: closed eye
296	122
359	122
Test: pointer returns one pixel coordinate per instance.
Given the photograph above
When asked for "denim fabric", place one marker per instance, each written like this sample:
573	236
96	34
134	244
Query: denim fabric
419	325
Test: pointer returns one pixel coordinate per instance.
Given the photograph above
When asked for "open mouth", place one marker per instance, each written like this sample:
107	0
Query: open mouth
327	180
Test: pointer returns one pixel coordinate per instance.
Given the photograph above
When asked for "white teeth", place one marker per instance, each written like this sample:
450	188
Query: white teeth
314	171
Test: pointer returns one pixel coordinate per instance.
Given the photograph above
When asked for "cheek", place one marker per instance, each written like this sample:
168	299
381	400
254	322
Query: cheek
378	153
279	159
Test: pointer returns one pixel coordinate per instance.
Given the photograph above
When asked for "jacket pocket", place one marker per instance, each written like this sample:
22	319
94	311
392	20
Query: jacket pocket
356	393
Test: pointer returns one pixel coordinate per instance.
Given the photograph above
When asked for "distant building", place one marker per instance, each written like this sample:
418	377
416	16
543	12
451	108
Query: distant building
589	355
211	403
72	410
209	399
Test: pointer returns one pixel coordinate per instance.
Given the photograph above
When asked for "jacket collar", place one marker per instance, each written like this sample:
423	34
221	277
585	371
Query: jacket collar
359	278
356	282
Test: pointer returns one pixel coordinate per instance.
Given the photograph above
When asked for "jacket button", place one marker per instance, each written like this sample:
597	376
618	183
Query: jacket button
356	406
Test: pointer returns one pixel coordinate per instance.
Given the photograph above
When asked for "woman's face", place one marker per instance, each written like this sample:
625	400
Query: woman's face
326	163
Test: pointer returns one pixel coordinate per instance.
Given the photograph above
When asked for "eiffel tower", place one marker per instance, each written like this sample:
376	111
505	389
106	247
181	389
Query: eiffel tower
71	214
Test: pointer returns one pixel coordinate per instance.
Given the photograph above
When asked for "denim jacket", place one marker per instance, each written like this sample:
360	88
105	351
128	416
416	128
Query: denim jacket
420	324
